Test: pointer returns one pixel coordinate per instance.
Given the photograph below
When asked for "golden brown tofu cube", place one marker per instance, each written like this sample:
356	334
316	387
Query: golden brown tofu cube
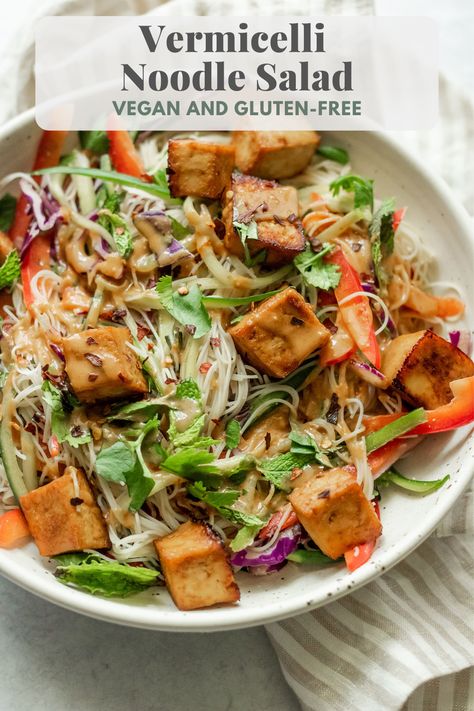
279	333
421	366
196	568
63	515
6	246
199	168
274	154
274	208
101	366
331	506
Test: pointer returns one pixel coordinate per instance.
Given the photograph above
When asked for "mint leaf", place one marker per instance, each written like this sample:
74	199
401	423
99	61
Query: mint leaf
116	462
232	434
118	228
137	410
110	579
7	211
177	229
246	231
316	271
382	237
194	464
187	309
10	269
277	470
363	189
241	518
188	388
339	155
95	141
189	435
302	443
60	421
216	499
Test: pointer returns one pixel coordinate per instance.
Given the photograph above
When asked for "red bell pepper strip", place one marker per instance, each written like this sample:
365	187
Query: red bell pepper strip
357	556
356	312
124	156
382	459
47	155
339	347
269	529
398	216
456	413
36	258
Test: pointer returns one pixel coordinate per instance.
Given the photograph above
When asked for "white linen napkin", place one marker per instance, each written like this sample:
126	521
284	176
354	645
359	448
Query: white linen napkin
404	641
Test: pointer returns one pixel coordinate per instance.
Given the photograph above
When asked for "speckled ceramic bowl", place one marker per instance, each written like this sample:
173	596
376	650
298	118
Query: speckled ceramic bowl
407	519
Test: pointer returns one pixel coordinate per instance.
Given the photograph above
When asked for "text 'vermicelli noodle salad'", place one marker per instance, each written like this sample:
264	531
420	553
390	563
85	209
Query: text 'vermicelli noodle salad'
214	349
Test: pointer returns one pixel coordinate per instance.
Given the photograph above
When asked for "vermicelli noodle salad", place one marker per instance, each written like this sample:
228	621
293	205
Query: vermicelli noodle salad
214	350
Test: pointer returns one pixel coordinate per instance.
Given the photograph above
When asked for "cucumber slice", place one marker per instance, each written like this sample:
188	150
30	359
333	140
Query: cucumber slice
7	446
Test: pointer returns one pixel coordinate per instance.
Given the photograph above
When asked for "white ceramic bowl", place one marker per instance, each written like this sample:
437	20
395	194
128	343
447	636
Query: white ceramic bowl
407	519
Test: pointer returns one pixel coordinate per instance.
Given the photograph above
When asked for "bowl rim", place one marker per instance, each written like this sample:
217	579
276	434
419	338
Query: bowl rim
225	618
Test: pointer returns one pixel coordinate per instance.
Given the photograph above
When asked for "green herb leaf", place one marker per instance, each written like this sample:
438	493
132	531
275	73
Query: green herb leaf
222	302
7	212
363	189
137	410
95	141
10	269
118	228
311	557
241	518
382	236
418	486
115	463
278	469
188	309
232	434
60	421
177	229
110	176
315	271
246	232
245	536
395	429
110	579
302	443
339	155
188	388
216	499
194	464
161	179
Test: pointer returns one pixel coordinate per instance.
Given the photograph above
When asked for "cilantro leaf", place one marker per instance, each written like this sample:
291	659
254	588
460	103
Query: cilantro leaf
95	141
382	236
118	228
316	271
10	269
7	211
101	577
363	189
60	421
216	499
246	231
232	434
339	155
194	464
278	469
187	309
188	388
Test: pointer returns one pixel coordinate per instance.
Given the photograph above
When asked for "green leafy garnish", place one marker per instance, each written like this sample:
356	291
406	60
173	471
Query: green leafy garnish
246	231
101	577
216	499
277	470
311	557
10	270
363	189
232	434
222	302
114	463
188	309
60	421
395	429
302	443
188	388
177	229
161	180
392	476
94	141
382	236
7	211
144	409
118	228
194	464
339	155
110	176
315	271
244	537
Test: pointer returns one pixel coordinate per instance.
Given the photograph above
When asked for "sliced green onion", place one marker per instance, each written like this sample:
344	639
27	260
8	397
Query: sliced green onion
333	153
392	476
311	558
111	176
222	302
395	429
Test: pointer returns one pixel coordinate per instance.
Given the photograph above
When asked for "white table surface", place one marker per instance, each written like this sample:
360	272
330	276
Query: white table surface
56	660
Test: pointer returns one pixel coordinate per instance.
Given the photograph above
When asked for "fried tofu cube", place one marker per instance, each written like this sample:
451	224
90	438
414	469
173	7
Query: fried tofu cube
331	506
279	333
274	208
274	154
101	365
196	568
199	168
63	516
421	365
